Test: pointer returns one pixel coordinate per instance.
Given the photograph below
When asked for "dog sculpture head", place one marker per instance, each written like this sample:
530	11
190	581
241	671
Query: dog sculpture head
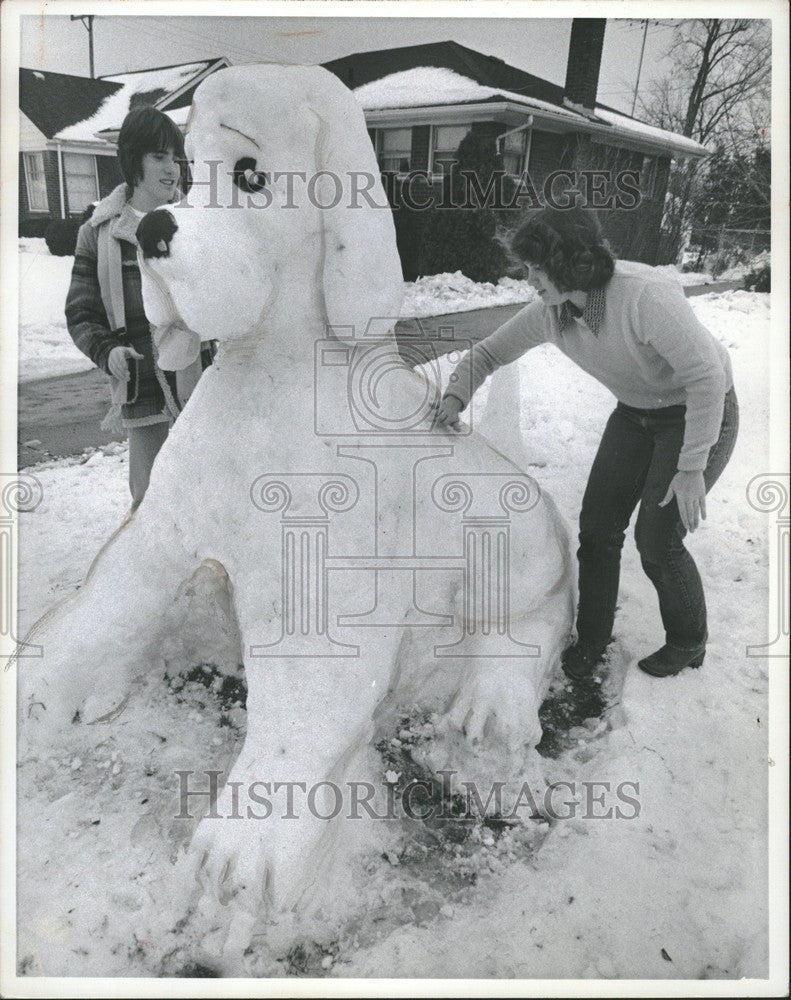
286	222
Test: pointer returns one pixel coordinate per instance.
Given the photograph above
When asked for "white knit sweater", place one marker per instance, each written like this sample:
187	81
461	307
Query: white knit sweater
650	351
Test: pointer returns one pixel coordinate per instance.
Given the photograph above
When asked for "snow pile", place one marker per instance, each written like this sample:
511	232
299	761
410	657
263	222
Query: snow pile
755	263
45	347
32	244
438	294
677	891
686	278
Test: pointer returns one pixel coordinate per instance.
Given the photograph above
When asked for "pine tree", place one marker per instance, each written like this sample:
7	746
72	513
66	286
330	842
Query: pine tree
461	235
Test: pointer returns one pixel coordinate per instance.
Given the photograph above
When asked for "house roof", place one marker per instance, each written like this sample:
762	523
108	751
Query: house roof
442	74
150	86
79	109
53	101
363	67
425	86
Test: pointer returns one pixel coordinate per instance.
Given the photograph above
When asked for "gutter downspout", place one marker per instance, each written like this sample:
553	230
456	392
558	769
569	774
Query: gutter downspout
60	181
520	128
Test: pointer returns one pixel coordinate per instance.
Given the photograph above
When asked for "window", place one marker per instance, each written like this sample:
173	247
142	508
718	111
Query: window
82	188
36	182
514	147
394	149
445	143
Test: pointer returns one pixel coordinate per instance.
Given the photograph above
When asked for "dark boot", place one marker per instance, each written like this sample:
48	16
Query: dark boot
579	661
670	660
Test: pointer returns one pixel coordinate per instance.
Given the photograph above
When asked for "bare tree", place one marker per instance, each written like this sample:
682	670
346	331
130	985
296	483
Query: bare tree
720	80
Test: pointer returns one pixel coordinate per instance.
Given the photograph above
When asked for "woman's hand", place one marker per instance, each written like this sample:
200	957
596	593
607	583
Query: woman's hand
447	413
690	492
116	361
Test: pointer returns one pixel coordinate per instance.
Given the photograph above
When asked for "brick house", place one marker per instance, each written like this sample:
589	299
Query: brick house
67	125
421	100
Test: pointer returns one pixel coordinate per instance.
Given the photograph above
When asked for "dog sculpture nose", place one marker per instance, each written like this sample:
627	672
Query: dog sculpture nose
155	233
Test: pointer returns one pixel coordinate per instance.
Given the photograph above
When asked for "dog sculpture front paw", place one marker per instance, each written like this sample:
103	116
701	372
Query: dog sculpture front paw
493	707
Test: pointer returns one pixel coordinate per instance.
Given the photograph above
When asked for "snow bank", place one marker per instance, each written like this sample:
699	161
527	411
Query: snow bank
45	347
438	294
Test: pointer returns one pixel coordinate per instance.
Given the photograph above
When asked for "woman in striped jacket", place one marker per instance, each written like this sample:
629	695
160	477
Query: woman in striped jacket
104	306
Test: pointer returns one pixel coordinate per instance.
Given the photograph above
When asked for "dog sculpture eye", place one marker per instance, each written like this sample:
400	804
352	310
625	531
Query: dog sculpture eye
247	178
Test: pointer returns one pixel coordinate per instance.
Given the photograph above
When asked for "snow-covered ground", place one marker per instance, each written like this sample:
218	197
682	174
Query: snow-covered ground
677	892
46	349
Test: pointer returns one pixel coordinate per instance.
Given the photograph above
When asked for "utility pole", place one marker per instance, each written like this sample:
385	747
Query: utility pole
87	21
639	68
646	23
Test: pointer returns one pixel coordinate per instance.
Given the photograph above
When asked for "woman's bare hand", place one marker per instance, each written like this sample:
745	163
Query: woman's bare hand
447	413
690	492
116	361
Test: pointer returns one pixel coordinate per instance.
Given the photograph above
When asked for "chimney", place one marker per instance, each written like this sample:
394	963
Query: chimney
582	70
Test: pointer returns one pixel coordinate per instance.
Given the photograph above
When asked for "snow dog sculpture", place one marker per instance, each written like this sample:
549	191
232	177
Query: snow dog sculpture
372	561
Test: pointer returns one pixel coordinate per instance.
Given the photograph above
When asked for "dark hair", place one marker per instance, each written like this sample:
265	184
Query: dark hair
146	130
568	244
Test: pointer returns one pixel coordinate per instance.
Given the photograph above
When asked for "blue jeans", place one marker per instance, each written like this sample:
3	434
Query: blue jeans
636	460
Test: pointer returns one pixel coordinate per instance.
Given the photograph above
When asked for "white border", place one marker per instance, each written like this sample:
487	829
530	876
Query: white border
778	773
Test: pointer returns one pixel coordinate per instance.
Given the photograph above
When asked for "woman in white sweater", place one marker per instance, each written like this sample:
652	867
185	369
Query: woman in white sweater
666	442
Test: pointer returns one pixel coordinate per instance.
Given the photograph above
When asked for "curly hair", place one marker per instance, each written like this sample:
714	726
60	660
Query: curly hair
568	244
146	130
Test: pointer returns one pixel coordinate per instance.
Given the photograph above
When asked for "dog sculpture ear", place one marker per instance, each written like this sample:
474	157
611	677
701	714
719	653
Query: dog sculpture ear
363	282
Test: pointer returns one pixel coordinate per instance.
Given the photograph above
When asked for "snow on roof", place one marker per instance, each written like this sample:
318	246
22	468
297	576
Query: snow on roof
179	115
649	131
425	86
154	84
428	85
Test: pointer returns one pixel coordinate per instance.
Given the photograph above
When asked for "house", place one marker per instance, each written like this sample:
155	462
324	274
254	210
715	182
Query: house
421	100
68	125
